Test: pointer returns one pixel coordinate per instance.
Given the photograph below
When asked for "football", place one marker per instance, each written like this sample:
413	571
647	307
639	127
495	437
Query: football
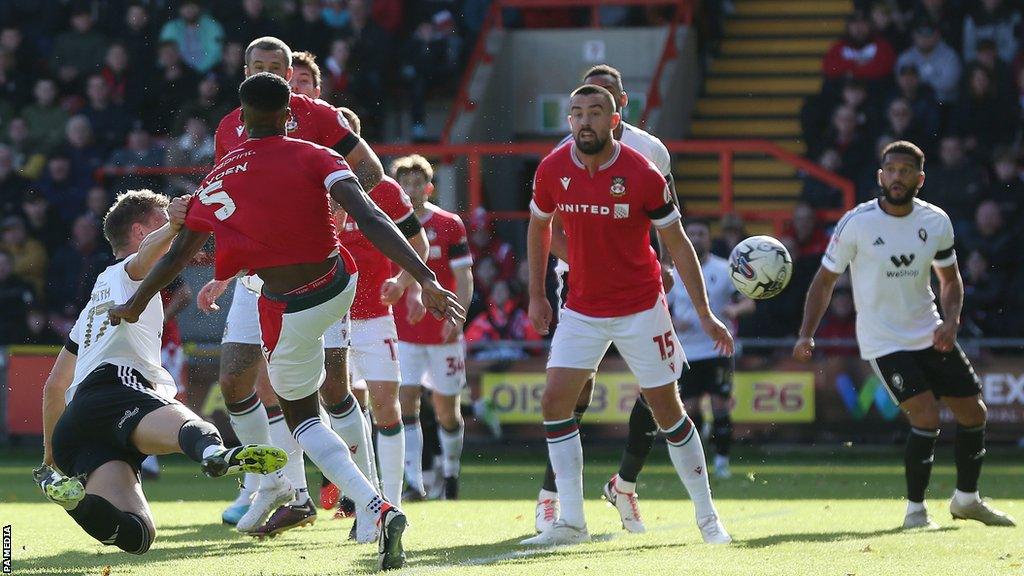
760	267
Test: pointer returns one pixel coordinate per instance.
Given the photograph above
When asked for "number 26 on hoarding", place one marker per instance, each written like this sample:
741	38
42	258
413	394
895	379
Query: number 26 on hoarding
770	397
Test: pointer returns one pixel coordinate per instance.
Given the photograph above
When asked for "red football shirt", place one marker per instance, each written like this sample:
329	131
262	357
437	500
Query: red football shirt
266	204
312	120
449	251
374	267
607	219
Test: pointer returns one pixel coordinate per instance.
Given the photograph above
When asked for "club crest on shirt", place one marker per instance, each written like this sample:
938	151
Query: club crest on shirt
292	123
240	129
618	188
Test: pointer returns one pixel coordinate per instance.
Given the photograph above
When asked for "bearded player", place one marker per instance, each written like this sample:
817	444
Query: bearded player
891	245
608	196
308	280
252	406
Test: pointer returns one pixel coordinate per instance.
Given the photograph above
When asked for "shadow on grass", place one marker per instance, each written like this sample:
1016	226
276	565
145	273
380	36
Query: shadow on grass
482	554
811	537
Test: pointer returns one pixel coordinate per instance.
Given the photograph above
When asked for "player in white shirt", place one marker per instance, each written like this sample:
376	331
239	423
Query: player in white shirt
891	244
108	402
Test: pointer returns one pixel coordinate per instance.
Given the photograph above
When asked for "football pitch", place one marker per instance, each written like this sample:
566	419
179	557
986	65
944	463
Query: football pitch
791	512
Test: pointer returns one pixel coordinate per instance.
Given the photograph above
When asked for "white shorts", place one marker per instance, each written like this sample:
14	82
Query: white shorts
337	335
373	353
440	367
293	335
646	341
242	325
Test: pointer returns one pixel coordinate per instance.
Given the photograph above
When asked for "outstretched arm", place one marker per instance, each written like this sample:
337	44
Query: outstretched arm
365	164
183	249
675	241
818	296
57	384
383	234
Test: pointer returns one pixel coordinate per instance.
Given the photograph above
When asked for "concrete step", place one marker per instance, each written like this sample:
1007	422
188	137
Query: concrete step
747	107
800	65
777	8
775	26
755	85
744	128
776	46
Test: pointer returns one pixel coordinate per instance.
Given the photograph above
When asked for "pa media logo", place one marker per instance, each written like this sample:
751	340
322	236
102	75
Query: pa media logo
858	401
8	544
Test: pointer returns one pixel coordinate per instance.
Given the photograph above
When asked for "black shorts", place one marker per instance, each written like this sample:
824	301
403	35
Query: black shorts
909	373
710	376
96	426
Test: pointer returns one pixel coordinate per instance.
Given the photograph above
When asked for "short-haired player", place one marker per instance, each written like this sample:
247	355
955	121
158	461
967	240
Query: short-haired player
608	196
891	245
108	403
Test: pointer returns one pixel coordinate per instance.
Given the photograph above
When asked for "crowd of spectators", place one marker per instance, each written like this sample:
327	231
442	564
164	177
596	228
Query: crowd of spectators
96	84
947	75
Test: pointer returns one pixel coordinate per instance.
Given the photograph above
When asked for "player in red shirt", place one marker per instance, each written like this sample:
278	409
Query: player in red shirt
608	196
252	406
372	335
309	280
433	353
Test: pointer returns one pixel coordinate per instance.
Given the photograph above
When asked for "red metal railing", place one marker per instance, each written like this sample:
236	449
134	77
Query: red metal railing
463	103
726	151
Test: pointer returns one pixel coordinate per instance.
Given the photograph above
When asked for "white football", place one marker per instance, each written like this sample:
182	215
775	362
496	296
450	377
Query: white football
760	267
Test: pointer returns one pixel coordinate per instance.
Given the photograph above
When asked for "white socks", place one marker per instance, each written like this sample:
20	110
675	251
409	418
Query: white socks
347	421
414	455
566	452
915	507
965	498
687	454
451	449
252	426
391	454
295	469
331	455
374	478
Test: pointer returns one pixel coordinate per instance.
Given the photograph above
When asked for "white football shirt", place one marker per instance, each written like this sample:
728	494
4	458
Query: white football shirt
133	345
890	260
696	343
646	144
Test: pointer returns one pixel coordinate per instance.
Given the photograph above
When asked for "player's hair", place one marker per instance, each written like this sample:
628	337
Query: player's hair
353	120
590	89
412	163
904	147
264	92
605	70
268	43
130	207
308	60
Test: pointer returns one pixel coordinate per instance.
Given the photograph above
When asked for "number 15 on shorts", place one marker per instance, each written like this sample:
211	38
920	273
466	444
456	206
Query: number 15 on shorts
666	344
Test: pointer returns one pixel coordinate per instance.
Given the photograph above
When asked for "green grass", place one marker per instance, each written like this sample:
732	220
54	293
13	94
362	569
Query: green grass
816	513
